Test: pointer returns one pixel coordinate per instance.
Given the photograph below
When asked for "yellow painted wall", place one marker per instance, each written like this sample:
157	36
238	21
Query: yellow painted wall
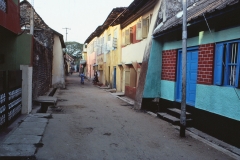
134	52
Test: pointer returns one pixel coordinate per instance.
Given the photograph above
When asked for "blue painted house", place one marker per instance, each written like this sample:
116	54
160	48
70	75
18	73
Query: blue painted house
213	65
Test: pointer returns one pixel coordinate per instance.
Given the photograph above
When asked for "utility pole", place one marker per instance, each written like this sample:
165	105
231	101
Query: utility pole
184	70
32	19
67	32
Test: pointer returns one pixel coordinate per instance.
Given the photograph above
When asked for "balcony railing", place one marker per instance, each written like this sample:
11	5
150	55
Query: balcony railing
3	5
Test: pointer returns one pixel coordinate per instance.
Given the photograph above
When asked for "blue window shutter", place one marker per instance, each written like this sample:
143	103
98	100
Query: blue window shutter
218	64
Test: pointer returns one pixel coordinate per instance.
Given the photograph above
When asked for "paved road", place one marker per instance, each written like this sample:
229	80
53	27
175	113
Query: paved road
91	124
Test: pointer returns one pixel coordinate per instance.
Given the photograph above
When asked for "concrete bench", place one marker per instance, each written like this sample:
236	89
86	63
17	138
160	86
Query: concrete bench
45	102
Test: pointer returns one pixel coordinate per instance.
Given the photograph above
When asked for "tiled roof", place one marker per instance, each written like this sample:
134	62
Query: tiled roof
195	11
111	17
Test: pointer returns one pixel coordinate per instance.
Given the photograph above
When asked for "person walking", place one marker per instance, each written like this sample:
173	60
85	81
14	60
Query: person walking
82	78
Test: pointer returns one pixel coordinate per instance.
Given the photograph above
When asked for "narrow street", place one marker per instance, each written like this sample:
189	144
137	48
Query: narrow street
91	124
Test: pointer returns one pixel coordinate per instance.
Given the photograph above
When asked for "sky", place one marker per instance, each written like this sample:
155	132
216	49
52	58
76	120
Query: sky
81	16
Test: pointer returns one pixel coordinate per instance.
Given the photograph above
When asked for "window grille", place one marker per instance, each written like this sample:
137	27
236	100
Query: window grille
3	5
232	64
227	64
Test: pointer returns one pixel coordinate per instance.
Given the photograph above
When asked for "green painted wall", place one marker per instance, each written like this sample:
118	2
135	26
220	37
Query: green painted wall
16	49
24	50
15	1
152	88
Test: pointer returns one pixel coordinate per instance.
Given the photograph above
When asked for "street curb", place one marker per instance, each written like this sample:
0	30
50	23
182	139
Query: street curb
196	136
221	148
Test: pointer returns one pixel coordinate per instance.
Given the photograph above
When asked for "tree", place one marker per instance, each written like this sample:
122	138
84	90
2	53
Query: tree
74	49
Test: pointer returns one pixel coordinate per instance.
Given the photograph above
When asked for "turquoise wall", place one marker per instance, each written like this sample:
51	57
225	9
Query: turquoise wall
221	100
153	77
168	90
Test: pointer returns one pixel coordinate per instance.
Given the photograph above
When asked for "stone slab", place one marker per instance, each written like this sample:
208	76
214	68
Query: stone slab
35	119
29	131
33	124
22	139
46	99
40	115
105	87
110	90
17	150
126	100
118	94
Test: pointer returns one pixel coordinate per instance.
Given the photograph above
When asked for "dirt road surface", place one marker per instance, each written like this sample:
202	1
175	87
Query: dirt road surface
91	124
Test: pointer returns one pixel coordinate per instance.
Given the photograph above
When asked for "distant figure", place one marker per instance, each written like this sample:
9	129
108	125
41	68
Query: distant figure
71	70
82	78
96	77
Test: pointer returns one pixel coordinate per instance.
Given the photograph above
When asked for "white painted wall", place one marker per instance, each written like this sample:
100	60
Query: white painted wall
58	77
26	88
133	52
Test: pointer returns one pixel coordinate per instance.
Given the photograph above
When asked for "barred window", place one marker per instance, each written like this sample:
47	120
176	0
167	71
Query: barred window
3	5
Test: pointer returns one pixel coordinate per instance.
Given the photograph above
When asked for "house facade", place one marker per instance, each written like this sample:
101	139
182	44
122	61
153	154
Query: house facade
108	57
212	88
83	60
11	87
119	45
135	31
104	51
58	74
91	58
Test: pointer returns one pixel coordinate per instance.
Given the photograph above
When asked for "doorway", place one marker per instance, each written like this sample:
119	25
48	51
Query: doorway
191	78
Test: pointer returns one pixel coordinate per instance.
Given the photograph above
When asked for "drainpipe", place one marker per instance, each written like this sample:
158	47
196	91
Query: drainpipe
184	68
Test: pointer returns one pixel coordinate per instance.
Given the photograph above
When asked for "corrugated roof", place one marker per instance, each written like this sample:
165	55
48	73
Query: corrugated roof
195	11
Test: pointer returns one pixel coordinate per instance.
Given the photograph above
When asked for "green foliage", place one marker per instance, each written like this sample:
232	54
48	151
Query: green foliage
74	49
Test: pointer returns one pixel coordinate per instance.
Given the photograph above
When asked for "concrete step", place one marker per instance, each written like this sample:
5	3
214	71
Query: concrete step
174	120
177	112
168	118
